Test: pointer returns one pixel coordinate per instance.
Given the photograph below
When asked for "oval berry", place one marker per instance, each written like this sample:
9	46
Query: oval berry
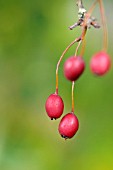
54	106
74	67
100	63
68	125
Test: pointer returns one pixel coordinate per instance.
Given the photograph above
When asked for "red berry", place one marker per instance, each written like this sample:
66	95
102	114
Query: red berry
54	106
74	67
68	125
100	63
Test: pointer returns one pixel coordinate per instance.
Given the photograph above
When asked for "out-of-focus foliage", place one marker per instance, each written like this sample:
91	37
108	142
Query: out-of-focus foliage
33	34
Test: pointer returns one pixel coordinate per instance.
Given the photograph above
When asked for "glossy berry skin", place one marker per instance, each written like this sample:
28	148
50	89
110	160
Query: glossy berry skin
74	67
54	106
68	125
100	63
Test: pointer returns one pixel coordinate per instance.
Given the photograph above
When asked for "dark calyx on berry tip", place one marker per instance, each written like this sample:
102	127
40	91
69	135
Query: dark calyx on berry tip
54	106
68	126
74	67
65	137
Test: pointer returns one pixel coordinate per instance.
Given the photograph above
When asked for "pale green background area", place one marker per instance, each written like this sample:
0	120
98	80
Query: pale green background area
33	35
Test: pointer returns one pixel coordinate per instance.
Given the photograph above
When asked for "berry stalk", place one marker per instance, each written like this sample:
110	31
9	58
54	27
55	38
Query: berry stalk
76	51
73	84
68	47
92	7
83	47
58	64
105	33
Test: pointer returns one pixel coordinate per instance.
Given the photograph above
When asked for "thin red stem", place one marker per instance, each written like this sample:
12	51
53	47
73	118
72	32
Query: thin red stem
105	33
83	47
73	83
76	51
68	47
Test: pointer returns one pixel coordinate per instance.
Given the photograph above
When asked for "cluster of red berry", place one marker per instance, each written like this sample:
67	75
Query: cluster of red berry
74	66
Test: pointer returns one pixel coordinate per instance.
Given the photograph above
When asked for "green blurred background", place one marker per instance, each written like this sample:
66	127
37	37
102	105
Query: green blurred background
33	35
